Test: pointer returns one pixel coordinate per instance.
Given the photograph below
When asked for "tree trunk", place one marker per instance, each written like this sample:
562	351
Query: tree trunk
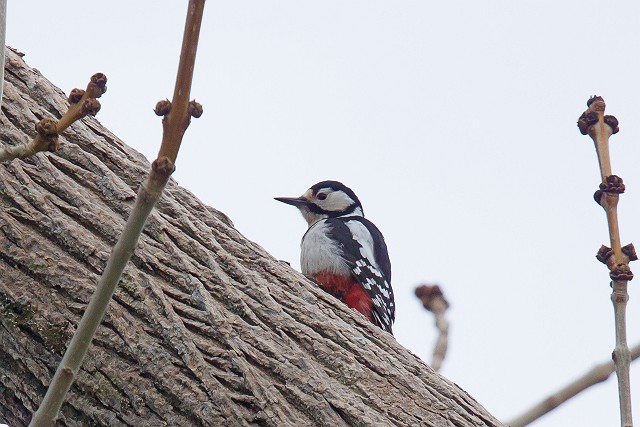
205	329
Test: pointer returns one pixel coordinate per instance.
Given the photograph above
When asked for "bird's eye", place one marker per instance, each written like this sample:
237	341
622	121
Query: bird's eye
321	196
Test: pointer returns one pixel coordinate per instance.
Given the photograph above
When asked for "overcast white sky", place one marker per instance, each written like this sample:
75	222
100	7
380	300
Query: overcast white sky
453	121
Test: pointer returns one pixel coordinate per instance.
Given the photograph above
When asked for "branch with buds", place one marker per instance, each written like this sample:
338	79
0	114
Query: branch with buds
600	127
434	301
83	103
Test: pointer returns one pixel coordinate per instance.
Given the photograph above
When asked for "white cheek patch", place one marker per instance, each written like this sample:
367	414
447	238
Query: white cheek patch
336	201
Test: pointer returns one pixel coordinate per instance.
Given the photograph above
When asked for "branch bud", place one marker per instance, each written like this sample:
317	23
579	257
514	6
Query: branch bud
630	251
597	196
613	184
76	95
90	107
593	99
163	166
46	128
613	123
597	104
586	120
99	80
162	107
429	294
47	135
604	253
621	272
195	109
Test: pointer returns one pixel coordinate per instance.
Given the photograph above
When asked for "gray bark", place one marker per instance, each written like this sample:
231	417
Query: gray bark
205	329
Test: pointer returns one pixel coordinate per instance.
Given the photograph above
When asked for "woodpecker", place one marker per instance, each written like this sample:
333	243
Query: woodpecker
345	253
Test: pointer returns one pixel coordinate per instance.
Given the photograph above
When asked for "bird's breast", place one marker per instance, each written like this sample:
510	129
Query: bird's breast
321	254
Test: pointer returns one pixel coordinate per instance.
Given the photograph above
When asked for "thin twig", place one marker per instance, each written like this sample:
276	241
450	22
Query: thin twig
83	103
597	374
434	301
600	127
149	193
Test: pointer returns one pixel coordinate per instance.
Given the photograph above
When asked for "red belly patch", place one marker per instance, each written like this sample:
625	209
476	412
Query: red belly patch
348	290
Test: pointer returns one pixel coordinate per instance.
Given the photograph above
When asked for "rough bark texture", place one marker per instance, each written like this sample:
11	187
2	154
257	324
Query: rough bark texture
205	329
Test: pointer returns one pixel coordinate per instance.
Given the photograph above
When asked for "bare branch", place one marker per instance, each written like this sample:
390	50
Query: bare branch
434	301
597	374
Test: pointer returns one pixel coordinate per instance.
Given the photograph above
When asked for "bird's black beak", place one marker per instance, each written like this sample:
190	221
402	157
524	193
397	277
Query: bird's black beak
295	201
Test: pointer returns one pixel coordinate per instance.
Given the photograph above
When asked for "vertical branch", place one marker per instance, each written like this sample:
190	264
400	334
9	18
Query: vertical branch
3	33
176	120
600	127
433	300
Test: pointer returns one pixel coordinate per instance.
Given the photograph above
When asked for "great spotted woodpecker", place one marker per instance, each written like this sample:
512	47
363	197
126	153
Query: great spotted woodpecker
344	252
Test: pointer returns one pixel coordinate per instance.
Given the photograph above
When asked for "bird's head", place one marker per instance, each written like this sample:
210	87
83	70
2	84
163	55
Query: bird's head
326	199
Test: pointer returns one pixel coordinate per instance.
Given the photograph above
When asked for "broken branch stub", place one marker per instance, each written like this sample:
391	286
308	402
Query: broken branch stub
433	300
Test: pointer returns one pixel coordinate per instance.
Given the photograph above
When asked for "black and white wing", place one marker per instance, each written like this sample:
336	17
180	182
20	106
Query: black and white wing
365	252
